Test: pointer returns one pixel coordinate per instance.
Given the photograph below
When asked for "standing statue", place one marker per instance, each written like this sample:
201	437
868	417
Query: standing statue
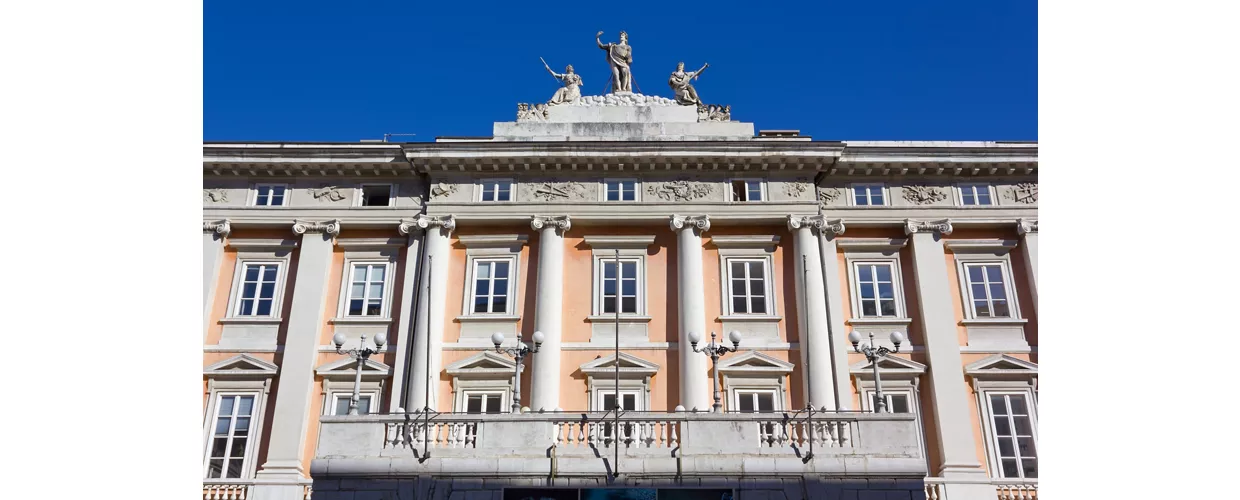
679	81
571	85
620	57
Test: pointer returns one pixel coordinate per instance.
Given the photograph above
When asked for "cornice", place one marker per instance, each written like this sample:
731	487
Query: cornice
745	241
492	240
942	227
871	243
698	223
610	241
980	245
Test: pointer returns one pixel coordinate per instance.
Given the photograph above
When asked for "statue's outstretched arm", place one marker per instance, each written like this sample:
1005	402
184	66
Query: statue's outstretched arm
600	43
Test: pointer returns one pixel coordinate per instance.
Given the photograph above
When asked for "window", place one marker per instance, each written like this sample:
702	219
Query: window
975	195
258	289
747	190
869	195
377	195
755	401
747	286
627	286
341	406
366	289
987	287
497	190
484	402
621	190
230	436
270	195
491	285
876	292
1014	438
607	401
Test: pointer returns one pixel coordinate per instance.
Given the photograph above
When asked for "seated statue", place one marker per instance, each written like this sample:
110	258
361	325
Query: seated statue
679	81
571	89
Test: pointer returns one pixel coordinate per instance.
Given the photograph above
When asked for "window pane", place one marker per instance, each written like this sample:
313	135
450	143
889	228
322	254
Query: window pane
609	401
738	287
739	305
757	287
376	290
342	406
1025	446
247	307
246	406
884	272
1002	428
868	308
888	307
226	405
499	304
629	303
277	200
738	269
234	468
766	401
1006	449
264	307
214	469
238	448
355	307
759	305
886	291
609	287
480	304
899	403
609	269
859	195
983	310
1001	309
1009	468
473	404
376	273
628	270
983	196
249	290
268	291
492	403
746	402
867	291
1030	468
630	287
359	273
979	290
609	304
995	274
482	287
757	270
630	401
269	273
501	269
876	197
998	405
966	196
499	287
488	194
363	405
1023	426
218	446
975	274
251	273
864	273
1018	405
374	308
221	425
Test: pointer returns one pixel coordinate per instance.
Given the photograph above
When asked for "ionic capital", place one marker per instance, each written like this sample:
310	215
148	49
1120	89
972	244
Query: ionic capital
445	223
220	227
560	223
331	227
943	227
816	223
701	223
1025	226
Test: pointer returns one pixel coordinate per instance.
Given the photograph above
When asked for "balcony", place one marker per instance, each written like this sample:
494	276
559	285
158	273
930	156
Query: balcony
234	489
1005	489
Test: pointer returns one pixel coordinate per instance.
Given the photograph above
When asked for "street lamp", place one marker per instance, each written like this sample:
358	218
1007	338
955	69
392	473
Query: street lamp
715	351
873	354
519	352
360	354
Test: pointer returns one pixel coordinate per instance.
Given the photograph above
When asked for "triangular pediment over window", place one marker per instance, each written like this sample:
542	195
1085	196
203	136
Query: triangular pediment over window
1002	366
346	369
890	367
629	365
241	366
483	364
756	363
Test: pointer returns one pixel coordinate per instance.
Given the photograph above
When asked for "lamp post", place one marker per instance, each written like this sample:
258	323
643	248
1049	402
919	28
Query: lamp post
360	354
519	352
715	351
873	354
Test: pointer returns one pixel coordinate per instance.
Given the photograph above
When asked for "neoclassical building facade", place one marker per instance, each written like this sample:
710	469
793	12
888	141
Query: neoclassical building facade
603	242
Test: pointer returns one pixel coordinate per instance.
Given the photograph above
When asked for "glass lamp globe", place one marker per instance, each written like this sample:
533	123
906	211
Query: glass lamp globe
854	337
695	337
897	338
338	339
497	338
380	339
539	337
735	336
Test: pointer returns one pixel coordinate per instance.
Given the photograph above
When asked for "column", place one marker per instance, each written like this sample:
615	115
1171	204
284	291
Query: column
812	320
549	311
691	306
948	390
408	297
1028	230
305	324
428	325
213	234
835	312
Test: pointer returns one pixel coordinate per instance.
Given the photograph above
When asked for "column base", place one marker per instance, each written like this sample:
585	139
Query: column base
281	470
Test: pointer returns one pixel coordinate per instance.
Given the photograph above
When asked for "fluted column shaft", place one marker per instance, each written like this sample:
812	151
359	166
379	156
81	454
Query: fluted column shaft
429	324
549	310
815	331
691	304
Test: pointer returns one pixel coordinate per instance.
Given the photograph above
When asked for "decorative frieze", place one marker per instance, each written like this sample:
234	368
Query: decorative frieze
326	193
798	188
554	191
680	190
817	223
531	112
1025	226
561	223
923	195
1025	192
331	227
943	227
216	195
221	227
714	113
828	195
700	222
443	190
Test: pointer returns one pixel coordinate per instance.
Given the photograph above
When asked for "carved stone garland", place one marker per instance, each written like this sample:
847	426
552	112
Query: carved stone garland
679	190
923	195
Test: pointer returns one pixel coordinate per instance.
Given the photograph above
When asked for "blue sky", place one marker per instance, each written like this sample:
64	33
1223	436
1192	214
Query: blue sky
861	70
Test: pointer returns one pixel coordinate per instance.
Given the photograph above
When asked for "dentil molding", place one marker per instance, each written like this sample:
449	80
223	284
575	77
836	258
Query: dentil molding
221	227
700	222
816	223
943	227
561	223
331	227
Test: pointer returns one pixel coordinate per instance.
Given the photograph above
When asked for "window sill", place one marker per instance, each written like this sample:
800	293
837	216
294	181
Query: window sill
750	317
488	317
993	321
879	321
360	321
624	318
243	320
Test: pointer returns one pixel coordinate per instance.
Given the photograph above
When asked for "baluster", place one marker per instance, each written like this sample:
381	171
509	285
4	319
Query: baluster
845	436
932	491
675	436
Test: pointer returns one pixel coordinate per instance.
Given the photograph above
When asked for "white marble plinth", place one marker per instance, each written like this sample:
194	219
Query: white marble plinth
619	117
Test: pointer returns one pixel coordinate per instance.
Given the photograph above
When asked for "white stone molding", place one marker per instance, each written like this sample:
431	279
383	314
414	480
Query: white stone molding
240	375
755	371
486	371
221	227
1002	374
599	243
553	191
699	223
261	244
445	223
1026	226
943	227
797	188
561	223
885	245
338	377
760	241
816	223
443	190
345	369
827	196
1002	367
635	374
893	368
507	243
241	366
331	227
371	243
997	246
427	337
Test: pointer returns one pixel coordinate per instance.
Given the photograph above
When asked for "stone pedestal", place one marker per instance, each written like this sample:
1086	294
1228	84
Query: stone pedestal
617	117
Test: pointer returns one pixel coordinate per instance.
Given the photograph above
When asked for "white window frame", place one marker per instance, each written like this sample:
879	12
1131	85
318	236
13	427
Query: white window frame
481	188
253	201
251	442
361	194
986	390
471	276
598	283
990	189
637	190
639	396
346	282
768	283
504	394
882	187
234	307
963	261
761	188
334	396
734	397
854	284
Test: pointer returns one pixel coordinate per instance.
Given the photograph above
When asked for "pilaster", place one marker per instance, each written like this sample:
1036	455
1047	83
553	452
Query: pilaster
429	322
1028	230
691	305
408	297
832	284
213	235
549	311
816	354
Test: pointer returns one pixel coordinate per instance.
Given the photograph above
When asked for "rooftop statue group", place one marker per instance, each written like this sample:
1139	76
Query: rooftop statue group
620	59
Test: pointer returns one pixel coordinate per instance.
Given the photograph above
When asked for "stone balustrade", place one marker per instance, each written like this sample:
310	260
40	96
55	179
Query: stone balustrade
235	489
1005	488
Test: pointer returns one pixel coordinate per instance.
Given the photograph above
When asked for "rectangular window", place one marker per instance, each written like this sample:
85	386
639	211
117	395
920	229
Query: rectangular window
230	436
491	285
1013	435
975	195
876	292
377	195
342	404
484	402
868	195
497	190
621	190
987	290
627	286
258	289
746	190
607	401
747	286
366	289
755	401
269	195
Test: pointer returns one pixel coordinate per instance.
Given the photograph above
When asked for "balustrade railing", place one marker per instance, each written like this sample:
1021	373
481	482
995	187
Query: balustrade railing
1005	489
225	491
